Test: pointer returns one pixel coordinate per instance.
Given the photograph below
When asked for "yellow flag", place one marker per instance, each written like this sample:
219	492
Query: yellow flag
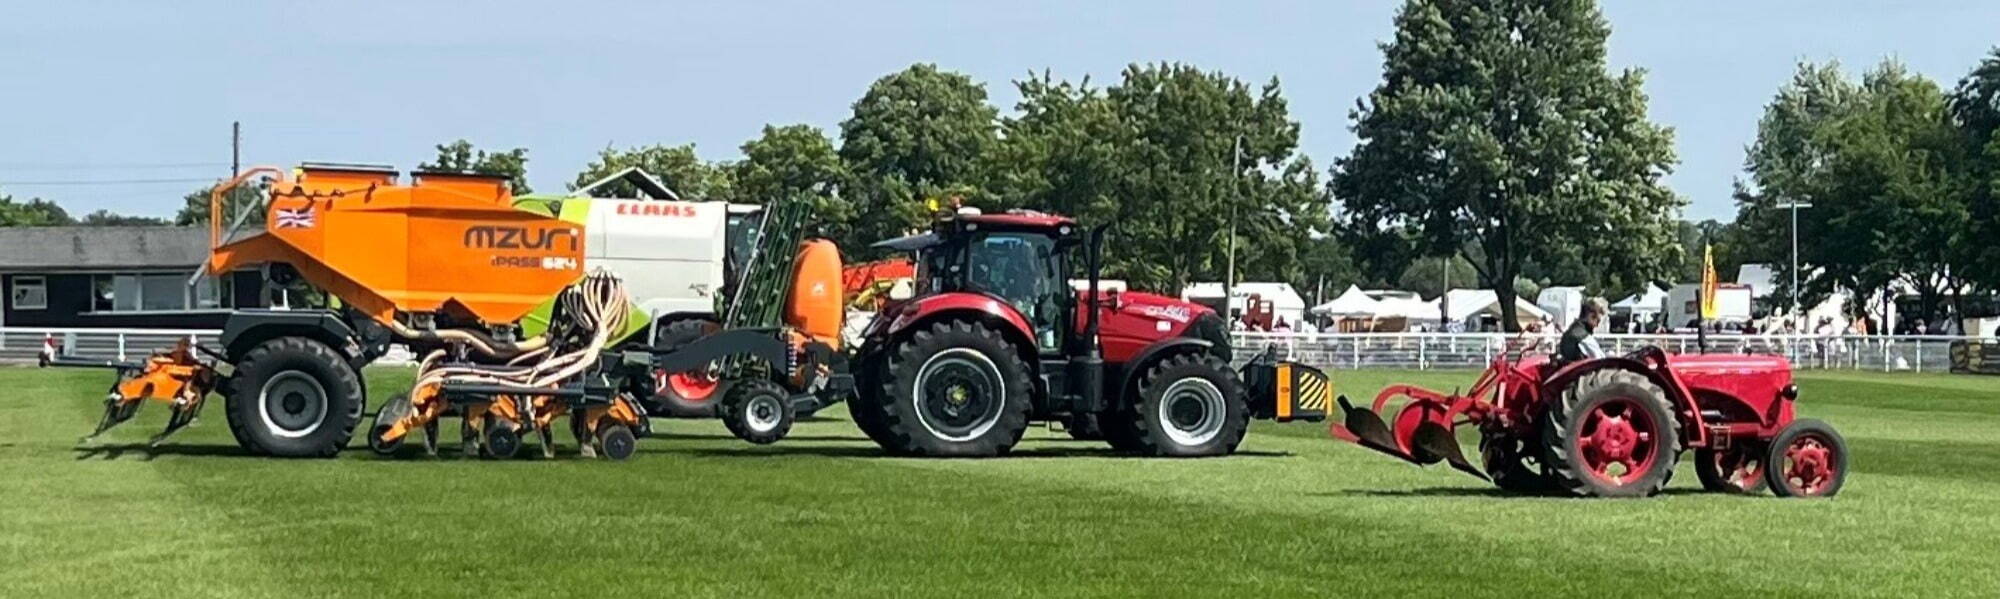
1708	282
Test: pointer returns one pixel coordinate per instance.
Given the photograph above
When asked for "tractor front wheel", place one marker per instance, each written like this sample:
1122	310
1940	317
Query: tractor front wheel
1808	459
954	389
1612	434
294	397
1189	405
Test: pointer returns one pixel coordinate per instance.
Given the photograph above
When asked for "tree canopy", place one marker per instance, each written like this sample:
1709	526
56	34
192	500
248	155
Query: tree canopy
916	134
460	156
35	212
1498	128
1175	156
677	166
1884	180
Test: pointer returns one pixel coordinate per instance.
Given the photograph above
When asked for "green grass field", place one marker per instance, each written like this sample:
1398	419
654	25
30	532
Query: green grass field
699	514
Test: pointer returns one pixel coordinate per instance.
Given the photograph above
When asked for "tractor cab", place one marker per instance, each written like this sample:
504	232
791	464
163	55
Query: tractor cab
1022	259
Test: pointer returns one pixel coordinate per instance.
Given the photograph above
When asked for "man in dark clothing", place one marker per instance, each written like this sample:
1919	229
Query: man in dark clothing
1577	343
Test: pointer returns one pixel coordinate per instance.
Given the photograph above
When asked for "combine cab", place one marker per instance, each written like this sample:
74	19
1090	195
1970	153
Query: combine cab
1615	426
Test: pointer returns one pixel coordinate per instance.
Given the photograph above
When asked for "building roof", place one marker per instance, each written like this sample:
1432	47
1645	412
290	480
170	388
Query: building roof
50	248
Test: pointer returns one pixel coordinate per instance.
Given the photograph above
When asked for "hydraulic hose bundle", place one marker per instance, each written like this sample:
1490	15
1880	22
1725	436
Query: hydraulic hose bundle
501	390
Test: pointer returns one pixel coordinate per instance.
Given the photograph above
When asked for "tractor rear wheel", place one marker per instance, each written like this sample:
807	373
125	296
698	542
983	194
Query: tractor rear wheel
686	394
1190	405
1612	434
1808	459
294	397
865	407
1739	469
955	389
758	411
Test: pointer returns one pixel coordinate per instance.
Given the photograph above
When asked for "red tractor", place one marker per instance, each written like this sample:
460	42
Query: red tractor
1616	426
997	336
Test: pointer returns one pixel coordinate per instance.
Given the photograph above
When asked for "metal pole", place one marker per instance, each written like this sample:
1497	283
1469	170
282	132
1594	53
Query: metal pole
235	148
1235	192
1797	310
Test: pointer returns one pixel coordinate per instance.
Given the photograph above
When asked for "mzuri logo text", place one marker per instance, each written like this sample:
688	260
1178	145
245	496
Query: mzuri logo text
519	238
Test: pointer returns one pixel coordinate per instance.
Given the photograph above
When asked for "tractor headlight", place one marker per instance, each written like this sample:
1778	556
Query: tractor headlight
1790	392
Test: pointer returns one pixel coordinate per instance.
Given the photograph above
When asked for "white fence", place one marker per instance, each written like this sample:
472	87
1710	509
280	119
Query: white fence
1926	353
1919	353
20	345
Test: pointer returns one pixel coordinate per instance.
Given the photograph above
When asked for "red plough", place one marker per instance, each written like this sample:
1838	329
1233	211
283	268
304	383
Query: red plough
1614	426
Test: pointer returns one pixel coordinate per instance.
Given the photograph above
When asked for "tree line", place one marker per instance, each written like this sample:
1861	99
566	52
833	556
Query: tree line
1499	149
1894	181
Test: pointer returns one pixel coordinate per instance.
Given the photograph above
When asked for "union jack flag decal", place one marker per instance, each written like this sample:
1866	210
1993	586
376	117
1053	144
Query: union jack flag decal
295	219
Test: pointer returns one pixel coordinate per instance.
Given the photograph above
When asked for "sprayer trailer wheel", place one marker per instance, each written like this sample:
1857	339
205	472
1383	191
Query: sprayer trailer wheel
758	411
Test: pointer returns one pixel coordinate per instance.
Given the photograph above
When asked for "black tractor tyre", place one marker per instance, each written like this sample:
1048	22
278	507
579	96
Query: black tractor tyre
237	428
667	401
1515	465
1189	405
616	442
294	397
1564	430
1739	469
865	408
956	389
758	411
1801	432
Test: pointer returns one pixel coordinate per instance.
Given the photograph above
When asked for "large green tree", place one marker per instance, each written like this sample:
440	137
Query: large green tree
1785	165
916	134
1882	168
1178	158
677	166
1497	128
460	156
1975	107
791	160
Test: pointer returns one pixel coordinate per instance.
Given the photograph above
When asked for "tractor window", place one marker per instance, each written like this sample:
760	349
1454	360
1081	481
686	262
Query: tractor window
1025	270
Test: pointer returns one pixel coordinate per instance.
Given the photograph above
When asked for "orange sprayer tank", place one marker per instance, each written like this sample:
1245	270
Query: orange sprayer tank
815	304
443	243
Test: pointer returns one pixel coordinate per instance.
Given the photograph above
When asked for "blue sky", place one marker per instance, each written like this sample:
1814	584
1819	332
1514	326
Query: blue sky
96	91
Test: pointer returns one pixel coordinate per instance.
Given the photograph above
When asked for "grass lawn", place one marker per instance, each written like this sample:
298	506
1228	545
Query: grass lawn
699	514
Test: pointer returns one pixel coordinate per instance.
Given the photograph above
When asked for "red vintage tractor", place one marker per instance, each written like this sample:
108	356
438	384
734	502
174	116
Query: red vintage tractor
997	336
1615	426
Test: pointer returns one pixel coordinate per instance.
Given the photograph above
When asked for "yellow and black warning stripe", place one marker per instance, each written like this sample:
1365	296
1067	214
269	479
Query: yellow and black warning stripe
1304	393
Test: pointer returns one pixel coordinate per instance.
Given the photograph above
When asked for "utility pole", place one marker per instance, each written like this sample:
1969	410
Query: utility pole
1444	297
1797	311
235	148
1235	197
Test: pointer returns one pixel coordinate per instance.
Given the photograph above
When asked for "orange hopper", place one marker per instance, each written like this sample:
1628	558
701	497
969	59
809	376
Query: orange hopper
443	243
